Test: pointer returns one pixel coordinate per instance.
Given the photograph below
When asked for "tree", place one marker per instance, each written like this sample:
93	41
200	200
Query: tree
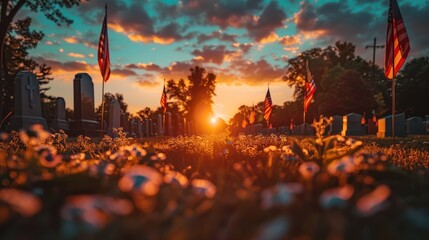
8	11
413	87
328	67
195	98
348	94
20	39
108	97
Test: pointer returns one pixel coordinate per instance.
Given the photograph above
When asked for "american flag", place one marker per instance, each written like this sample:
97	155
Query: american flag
163	100
310	88
252	116
268	106
103	51
397	42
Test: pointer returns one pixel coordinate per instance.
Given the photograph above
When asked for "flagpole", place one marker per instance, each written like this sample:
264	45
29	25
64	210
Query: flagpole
102	92
102	107
393	94
163	114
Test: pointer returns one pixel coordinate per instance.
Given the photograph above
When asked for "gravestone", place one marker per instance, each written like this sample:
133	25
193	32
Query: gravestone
282	130
337	125
159	129
139	128
151	129
299	129
28	107
415	126
372	125
146	128
426	117
115	116
385	126
60	121
426	126
168	124
257	129
352	125
83	102
125	122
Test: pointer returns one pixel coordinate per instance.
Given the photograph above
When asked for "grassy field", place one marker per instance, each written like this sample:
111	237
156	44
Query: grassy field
213	187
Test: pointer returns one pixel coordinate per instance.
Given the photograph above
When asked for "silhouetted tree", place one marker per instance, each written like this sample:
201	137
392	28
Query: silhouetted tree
413	87
194	100
8	10
108	98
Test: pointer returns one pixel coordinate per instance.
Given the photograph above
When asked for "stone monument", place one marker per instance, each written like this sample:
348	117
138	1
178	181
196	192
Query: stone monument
60	121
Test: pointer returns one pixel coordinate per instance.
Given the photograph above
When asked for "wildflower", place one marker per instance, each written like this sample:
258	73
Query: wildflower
336	197
142	179
271	148
308	169
177	178
345	165
280	195
374	201
94	210
22	202
204	187
48	156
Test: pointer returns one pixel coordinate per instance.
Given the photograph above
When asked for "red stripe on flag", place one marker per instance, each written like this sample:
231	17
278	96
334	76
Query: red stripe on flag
103	51
397	42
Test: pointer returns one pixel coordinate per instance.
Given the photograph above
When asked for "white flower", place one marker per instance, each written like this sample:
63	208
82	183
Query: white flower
336	197
374	201
141	179
204	187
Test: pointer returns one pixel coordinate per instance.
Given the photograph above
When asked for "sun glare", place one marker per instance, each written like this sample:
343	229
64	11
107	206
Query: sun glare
213	120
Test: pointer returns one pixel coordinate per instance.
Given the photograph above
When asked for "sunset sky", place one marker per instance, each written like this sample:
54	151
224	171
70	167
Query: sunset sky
245	43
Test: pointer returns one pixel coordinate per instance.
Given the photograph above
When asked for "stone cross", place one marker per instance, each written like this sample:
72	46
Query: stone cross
28	107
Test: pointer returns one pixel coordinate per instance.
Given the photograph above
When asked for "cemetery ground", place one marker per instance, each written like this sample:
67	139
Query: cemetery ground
213	187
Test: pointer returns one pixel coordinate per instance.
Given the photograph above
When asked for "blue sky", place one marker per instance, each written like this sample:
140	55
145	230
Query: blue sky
246	43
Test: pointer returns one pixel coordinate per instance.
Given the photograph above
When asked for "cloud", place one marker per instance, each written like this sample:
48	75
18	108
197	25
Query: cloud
214	54
89	39
263	27
123	72
75	55
258	72
217	35
133	21
144	66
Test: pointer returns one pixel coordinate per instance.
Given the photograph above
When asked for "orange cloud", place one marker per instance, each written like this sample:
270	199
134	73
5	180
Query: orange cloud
75	55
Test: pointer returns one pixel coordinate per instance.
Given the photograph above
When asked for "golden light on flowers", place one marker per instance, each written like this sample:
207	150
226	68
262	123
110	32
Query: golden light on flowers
141	179
22	202
204	187
177	178
308	169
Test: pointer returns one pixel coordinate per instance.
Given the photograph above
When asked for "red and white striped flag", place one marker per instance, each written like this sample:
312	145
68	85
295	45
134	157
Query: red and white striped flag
268	107
397	42
163	100
310	88
103	51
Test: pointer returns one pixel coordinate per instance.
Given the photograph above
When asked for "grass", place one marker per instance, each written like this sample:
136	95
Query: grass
213	187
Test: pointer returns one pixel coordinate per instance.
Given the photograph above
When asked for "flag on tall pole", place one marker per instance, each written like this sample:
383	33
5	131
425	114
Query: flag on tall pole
163	100
268	107
310	88
397	42
103	51
104	61
397	49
